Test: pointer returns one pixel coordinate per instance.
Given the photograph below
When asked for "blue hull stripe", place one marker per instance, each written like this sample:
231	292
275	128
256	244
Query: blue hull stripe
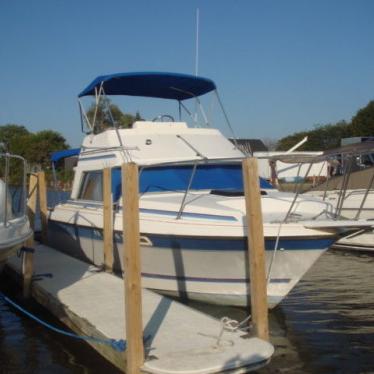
210	280
211	243
225	244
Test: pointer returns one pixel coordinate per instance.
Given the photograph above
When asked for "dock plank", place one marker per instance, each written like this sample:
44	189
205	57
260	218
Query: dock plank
178	339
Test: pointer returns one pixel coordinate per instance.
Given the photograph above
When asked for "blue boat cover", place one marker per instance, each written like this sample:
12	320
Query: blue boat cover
151	84
176	178
56	156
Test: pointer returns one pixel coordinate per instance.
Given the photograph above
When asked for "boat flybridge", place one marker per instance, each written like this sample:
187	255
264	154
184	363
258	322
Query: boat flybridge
14	224
192	207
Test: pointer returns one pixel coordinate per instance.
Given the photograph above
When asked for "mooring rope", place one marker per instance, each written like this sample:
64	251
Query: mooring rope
232	325
118	345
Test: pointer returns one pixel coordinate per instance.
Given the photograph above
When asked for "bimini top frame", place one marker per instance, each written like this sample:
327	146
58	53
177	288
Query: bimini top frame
161	85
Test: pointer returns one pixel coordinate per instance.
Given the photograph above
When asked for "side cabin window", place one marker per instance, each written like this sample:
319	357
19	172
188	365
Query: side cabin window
92	186
224	177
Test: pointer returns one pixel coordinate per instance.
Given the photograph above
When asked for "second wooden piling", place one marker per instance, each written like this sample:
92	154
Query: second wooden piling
27	256
108	219
132	268
43	206
256	248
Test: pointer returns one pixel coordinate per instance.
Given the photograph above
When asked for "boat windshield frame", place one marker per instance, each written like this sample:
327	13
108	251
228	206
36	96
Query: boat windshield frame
22	211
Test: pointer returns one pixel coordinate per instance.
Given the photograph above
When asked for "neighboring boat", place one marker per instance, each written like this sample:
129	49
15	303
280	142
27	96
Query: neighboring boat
350	192
356	203
14	224
192	208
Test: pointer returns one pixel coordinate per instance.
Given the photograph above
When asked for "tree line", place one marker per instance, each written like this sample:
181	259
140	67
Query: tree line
36	147
105	115
328	136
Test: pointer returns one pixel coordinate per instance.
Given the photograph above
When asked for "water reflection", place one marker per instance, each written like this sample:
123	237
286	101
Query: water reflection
26	347
330	314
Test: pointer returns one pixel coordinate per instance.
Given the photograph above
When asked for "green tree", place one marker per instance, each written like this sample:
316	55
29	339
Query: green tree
329	136
14	138
289	141
42	144
363	121
322	137
105	112
36	148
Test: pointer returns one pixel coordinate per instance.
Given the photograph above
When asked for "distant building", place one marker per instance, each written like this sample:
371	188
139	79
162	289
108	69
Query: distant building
66	159
249	146
70	162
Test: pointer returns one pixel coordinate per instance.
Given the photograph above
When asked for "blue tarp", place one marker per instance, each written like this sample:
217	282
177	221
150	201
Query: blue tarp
151	84
57	156
176	178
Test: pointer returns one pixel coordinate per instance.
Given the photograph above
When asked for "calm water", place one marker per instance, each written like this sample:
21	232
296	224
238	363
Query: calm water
326	325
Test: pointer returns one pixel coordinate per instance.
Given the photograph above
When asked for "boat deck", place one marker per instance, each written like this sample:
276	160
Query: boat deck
178	339
360	241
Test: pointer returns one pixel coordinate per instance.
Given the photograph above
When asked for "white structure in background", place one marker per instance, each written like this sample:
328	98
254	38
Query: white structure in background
290	172
286	172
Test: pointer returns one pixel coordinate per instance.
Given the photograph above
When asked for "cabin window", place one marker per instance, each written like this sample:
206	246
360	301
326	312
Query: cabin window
92	186
226	177
207	177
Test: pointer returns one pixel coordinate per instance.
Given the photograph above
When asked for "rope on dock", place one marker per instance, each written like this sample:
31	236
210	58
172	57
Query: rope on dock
232	325
118	345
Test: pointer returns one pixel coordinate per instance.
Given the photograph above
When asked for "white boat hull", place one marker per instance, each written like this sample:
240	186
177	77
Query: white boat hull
12	237
210	269
360	241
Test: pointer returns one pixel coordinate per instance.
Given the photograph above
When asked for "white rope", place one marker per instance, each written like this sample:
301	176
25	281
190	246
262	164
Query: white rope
232	325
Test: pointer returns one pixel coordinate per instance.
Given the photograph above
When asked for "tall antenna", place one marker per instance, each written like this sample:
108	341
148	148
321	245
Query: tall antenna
197	43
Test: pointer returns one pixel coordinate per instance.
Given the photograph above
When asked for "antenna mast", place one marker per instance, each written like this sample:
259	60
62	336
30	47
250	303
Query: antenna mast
197	43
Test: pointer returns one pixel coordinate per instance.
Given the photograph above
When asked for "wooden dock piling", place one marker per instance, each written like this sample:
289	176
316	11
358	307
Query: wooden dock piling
132	269
28	257
32	199
43	206
108	219
256	249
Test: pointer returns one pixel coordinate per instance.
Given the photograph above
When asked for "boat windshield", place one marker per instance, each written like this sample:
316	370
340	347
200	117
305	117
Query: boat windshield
223	178
12	187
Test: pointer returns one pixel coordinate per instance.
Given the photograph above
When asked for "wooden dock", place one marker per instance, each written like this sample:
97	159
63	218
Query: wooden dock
160	335
178	339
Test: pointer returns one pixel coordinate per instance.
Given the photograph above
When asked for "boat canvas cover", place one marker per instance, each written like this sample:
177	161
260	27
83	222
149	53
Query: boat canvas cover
151	84
58	155
177	178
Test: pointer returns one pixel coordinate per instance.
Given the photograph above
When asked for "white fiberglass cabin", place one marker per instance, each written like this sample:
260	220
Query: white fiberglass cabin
192	208
14	224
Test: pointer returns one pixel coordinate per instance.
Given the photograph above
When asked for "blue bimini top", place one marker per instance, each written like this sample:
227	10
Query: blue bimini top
151	84
58	155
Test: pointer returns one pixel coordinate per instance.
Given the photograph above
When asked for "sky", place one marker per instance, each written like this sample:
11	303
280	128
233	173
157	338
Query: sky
280	66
